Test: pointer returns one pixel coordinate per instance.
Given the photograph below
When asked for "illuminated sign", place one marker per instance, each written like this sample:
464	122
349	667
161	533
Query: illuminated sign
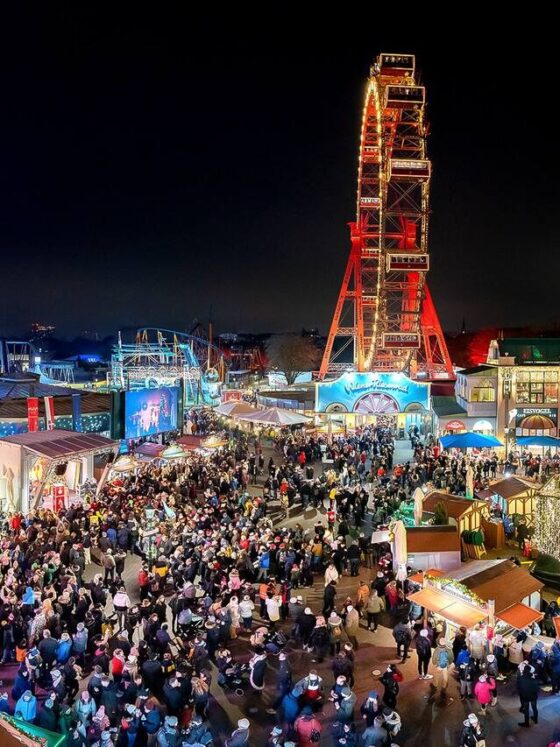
418	262
455	425
372	393
401	340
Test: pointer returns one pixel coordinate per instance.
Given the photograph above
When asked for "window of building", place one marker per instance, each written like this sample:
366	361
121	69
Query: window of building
537	387
483	392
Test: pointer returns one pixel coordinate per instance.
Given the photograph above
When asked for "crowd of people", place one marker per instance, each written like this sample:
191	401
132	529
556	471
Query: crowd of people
218	601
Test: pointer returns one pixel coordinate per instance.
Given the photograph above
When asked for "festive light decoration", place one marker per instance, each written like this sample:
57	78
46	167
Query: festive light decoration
547	519
450	584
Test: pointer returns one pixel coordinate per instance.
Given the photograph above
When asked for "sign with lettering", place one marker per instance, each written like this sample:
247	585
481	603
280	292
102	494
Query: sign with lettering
372	393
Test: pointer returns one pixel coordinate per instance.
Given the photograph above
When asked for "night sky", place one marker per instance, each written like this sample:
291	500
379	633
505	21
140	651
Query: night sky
161	168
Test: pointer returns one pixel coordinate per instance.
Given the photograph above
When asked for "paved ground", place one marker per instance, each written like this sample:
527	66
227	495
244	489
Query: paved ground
424	724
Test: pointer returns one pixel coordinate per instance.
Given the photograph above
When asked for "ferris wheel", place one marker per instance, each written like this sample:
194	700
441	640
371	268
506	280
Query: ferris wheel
384	319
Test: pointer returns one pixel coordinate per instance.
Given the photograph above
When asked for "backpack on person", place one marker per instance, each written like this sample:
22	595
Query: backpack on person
443	660
315	735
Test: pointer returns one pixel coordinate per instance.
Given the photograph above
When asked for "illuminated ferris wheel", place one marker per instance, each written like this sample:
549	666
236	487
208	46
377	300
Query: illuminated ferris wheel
384	318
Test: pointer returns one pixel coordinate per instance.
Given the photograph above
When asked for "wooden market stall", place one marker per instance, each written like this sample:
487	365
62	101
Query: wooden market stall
433	547
463	512
514	495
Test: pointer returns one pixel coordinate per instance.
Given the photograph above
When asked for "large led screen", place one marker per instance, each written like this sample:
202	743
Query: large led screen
150	411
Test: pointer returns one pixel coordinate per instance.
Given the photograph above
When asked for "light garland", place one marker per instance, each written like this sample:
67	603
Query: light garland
456	586
547	519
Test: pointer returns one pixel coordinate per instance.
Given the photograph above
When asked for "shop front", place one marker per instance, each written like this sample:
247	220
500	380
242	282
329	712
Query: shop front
387	400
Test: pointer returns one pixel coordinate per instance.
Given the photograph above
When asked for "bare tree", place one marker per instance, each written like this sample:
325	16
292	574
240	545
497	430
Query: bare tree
292	355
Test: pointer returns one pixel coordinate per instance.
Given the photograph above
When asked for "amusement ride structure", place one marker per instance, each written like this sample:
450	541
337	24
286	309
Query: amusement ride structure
164	357
385	319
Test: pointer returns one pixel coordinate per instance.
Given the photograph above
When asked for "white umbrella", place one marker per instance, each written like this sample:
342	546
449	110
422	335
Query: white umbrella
234	409
418	498
125	463
400	552
276	416
470	482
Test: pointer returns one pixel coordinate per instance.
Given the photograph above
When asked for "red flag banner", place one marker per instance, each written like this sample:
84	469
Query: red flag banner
33	414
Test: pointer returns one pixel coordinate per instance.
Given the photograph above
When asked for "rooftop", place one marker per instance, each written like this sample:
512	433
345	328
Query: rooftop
56	444
444	406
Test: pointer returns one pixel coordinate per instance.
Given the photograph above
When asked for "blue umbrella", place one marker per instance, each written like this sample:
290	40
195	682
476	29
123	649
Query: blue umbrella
538	441
469	440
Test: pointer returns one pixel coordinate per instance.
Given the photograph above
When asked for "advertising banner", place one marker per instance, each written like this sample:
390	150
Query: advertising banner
76	412
33	414
49	413
375	393
536	421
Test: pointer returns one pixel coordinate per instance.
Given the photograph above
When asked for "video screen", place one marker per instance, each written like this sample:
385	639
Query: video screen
150	411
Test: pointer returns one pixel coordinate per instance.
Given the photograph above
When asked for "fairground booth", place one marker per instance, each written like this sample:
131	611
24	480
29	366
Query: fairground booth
50	469
498	595
389	400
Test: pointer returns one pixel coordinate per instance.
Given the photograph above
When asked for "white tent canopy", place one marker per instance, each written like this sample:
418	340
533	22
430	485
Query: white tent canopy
276	416
234	409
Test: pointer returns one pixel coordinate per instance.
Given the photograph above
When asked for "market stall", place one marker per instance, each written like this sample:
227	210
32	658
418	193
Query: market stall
464	513
513	496
48	468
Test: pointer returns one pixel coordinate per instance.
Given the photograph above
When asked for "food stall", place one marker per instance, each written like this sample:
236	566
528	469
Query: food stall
498	594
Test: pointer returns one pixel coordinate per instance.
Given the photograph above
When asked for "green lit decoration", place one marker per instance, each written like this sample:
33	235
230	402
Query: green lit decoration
31	732
451	584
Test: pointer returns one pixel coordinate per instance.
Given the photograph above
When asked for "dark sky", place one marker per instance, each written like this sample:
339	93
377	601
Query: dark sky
159	168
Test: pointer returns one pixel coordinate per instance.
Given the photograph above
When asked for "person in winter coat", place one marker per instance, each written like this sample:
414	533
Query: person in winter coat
329	597
26	707
345	705
389	680
283	682
424	654
483	692
442	658
198	732
246	607
307	728
84	708
306	626
289	708
473	732
121	603
374	608
528	689
320	639
151	720
47	716
331	574
370	708
402	636
64	649
352	625
375	735
467	671
240	736
555	666
257	669
168	734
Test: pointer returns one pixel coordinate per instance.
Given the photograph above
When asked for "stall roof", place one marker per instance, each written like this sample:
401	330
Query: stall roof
520	615
510	487
418	578
456	506
501	580
58	443
433	539
151	450
449	606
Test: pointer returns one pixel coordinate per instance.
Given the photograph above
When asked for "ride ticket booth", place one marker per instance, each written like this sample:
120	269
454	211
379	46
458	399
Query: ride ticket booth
387	400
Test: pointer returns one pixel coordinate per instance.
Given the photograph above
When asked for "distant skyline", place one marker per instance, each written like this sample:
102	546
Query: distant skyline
162	168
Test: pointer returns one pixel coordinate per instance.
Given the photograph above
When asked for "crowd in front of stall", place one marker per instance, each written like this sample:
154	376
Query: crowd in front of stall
218	603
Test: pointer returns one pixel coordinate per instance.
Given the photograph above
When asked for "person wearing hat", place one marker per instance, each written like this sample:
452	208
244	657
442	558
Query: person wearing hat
4	703
424	654
483	692
442	658
168	734
473	733
403	637
26	707
370	708
352	625
275	737
47	716
257	669
306	626
84	708
307	728
329	598
198	732
240	736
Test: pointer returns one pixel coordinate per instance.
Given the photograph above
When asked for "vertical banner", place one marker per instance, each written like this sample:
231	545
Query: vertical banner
49	413
33	414
76	412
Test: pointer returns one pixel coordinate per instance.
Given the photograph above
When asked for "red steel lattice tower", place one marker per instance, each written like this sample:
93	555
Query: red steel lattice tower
384	315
